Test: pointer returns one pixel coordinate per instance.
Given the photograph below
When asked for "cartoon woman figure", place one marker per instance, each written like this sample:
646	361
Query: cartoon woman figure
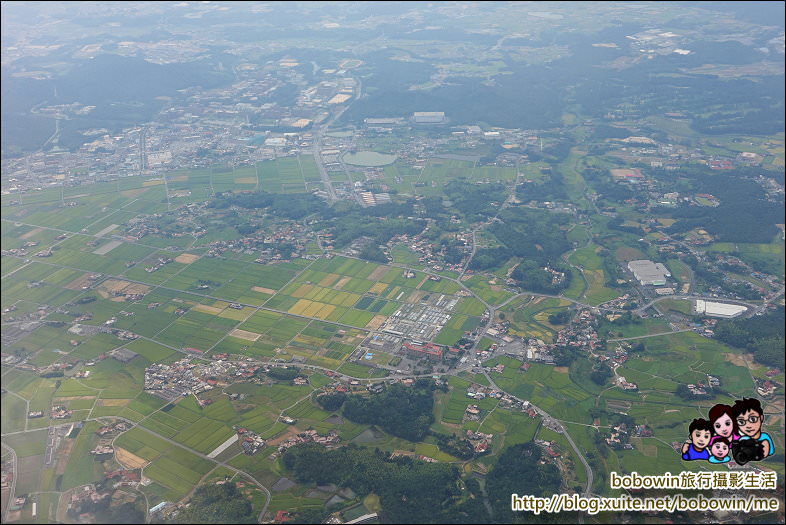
723	423
719	450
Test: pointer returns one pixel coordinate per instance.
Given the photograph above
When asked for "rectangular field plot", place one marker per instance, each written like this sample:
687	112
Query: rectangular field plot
197	330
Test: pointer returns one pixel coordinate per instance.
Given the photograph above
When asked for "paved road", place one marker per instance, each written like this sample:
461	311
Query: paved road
12	488
650	335
544	414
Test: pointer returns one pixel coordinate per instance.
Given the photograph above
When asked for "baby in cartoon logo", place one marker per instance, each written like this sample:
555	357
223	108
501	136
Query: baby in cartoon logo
732	432
719	450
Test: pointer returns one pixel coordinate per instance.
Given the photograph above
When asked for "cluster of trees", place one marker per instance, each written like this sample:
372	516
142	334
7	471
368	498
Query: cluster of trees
331	402
349	221
402	411
284	374
409	491
518	471
762	335
531	276
475	201
533	234
290	205
561	317
685	393
600	374
454	445
744	215
217	504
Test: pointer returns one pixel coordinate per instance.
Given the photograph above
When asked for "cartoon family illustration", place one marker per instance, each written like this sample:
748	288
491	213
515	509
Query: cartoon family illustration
732	432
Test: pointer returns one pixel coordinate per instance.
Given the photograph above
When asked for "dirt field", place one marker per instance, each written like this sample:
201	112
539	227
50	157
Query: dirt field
152	183
243	334
340	284
31	233
114	285
133	193
245	180
129	460
291	432
186	258
71	398
79	282
378	272
561	369
113	402
736	359
260	289
62	456
208	309
376	322
137	288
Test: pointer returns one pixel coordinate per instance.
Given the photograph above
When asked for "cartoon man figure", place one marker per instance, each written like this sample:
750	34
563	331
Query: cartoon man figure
696	447
749	417
719	450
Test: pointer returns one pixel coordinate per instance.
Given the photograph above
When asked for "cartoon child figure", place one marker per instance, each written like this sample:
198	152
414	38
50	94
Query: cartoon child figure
749	417
696	447
719	450
723	422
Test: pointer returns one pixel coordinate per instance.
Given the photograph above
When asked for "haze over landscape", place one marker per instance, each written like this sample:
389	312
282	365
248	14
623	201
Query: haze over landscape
388	262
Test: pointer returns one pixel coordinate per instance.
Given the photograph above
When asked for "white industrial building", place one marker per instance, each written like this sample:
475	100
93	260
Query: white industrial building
648	272
428	117
714	309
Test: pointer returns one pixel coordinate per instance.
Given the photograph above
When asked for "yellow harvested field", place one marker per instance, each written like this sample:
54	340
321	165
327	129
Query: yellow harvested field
179	178
129	460
339	99
157	182
325	311
378	287
260	289
243	334
186	258
302	291
329	279
376	322
312	309
245	180
350	299
344	280
208	309
299	307
113	402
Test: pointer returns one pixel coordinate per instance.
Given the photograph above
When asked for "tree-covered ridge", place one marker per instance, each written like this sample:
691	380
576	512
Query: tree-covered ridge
217	504
402	411
762	335
518	470
534	234
290	205
410	491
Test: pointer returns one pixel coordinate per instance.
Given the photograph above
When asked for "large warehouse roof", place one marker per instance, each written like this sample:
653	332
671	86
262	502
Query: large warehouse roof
648	272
